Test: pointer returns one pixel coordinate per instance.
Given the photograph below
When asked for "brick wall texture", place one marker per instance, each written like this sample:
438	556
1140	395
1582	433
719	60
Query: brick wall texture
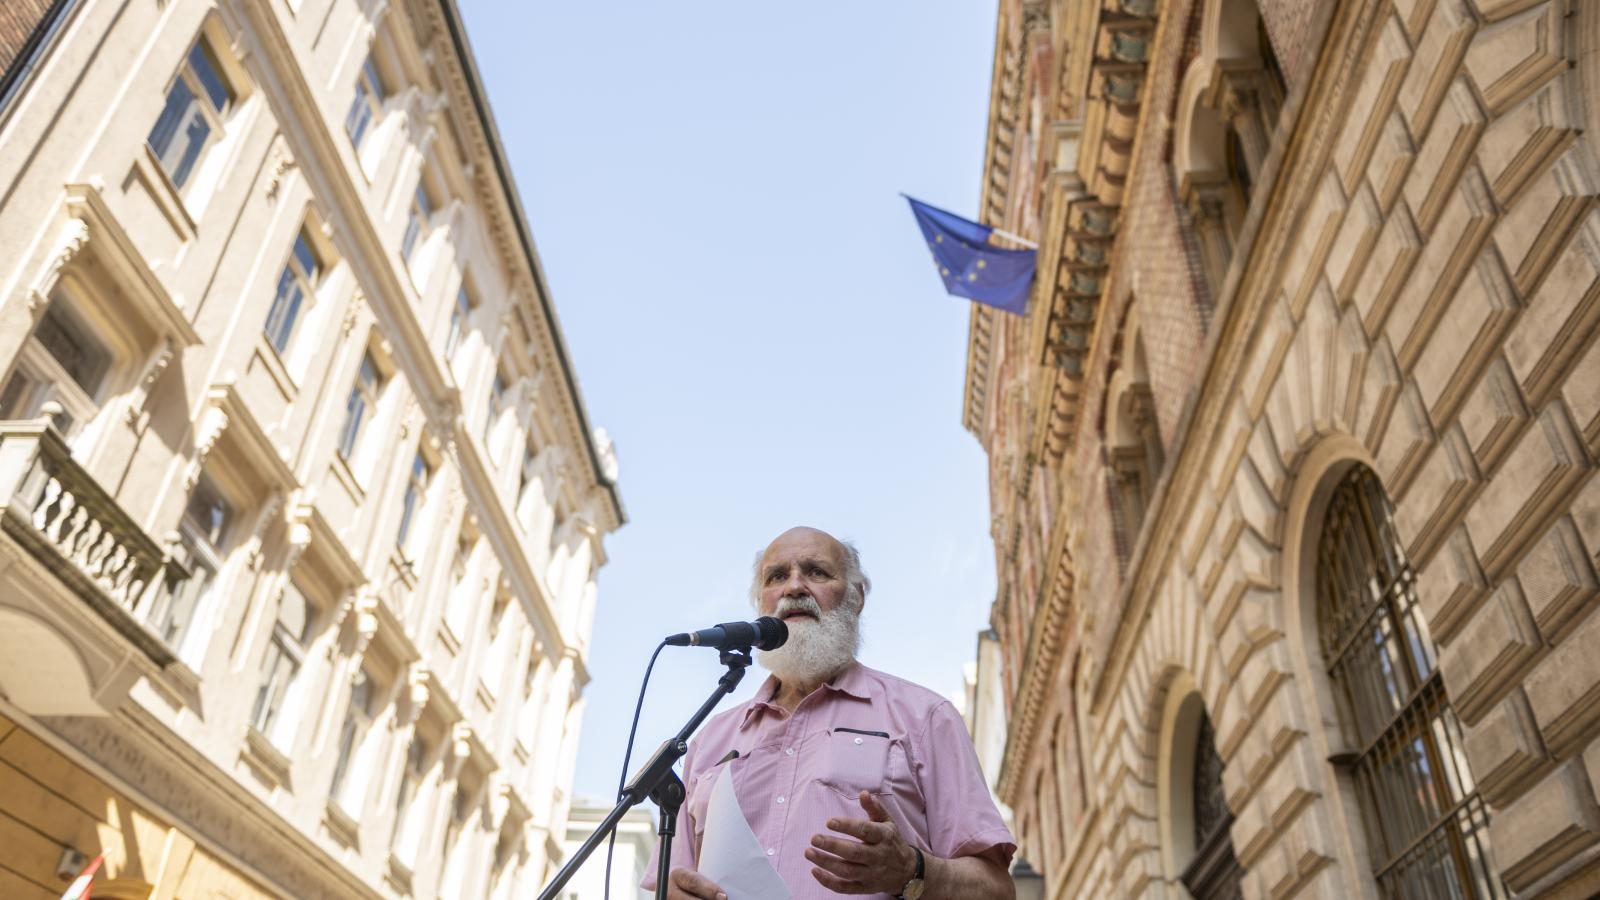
1410	283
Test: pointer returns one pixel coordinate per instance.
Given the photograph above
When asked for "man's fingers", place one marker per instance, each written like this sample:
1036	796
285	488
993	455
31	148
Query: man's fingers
875	810
854	851
867	832
836	884
694	884
844	868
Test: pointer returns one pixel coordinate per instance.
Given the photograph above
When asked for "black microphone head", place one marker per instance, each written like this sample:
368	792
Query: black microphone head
773	633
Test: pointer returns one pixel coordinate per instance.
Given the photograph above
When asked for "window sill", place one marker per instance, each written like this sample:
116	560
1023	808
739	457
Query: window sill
260	754
165	193
447	637
399	875
347	477
345	829
179	686
276	368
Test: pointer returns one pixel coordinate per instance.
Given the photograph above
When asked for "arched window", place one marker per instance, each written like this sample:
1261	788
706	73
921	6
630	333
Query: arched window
1214	873
1426	826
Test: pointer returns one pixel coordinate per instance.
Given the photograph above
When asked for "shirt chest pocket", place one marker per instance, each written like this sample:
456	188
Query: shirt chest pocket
855	760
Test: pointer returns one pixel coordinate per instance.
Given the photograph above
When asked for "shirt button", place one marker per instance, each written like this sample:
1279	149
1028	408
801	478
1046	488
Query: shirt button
858	740
771	851
788	751
780	799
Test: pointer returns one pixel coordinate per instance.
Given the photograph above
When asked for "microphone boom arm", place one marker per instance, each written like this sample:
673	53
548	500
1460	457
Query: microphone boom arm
657	781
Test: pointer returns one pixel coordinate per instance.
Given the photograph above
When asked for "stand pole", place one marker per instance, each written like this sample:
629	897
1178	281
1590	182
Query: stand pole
657	781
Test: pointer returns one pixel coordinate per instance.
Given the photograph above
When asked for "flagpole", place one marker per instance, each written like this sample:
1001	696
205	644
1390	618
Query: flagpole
1014	237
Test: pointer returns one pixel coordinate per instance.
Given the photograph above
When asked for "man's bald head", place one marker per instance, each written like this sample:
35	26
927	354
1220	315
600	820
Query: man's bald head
804	543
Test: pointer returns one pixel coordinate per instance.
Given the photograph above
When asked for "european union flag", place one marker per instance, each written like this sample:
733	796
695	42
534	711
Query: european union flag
969	266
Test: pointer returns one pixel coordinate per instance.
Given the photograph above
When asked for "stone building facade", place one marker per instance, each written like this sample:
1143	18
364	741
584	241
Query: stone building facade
302	511
1292	458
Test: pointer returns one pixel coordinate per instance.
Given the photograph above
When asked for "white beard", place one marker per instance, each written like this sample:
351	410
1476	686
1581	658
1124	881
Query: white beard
816	650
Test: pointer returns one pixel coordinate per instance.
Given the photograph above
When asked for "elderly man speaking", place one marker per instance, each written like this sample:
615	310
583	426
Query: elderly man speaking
855	781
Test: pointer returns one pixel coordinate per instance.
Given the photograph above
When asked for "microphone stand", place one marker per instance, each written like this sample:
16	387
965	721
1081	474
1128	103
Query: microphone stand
657	781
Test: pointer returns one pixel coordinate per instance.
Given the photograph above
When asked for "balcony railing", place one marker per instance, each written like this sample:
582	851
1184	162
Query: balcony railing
57	511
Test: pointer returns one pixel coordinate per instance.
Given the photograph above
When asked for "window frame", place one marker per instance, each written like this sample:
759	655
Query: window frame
460	314
415	498
353	731
370	88
368	392
205	555
282	647
39	375
284	316
1366	601
419	223
180	171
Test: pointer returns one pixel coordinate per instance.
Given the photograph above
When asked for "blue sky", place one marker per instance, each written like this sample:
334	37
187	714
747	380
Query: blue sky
713	188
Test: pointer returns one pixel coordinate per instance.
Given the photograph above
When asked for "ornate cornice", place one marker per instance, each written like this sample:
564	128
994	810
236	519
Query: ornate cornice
1046	643
440	21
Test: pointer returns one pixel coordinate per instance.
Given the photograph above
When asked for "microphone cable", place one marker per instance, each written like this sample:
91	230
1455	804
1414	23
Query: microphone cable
627	756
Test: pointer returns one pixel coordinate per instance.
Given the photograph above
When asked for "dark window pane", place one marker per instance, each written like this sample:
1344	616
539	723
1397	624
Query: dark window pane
306	257
211	80
80	355
194	140
178	100
285	310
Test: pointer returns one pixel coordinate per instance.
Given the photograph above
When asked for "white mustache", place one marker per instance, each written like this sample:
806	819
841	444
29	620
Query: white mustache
799	604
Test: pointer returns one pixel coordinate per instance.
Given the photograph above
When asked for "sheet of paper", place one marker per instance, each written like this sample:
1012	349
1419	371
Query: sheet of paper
730	855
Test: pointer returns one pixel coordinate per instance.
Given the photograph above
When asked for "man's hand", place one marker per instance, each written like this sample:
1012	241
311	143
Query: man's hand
687	884
874	859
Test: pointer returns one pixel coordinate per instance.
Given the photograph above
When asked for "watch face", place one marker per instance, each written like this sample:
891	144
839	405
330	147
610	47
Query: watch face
913	890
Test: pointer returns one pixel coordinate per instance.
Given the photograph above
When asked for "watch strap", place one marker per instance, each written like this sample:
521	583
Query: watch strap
915	876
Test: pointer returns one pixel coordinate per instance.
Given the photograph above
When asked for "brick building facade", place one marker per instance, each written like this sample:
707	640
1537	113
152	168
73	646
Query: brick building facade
1292	457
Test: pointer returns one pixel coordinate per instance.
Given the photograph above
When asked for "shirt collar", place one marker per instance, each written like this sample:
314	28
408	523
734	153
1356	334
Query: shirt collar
852	682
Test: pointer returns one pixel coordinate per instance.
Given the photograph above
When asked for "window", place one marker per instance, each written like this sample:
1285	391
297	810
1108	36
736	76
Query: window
497	404
417	217
365	106
298	281
459	314
63	360
202	536
1214	873
191	120
410	784
285	655
1427	827
416	495
357	719
530	456
363	400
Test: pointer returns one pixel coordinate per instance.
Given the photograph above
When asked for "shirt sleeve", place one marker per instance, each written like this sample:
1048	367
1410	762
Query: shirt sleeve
962	818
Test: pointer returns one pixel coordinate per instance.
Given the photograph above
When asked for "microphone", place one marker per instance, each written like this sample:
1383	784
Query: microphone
765	633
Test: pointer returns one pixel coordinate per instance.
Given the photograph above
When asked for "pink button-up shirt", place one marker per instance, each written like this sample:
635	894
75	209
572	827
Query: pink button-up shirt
865	731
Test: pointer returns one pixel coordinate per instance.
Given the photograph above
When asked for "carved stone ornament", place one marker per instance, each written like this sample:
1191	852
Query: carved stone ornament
282	162
366	610
352	312
211	429
418	688
74	237
461	741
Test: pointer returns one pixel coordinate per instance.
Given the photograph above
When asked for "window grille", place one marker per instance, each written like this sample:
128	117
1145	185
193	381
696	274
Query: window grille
1427	827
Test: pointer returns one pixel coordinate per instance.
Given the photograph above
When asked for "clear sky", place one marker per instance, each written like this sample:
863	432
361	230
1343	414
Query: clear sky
714	191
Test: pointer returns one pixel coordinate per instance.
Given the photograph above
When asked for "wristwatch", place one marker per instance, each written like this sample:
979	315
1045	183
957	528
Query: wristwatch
914	887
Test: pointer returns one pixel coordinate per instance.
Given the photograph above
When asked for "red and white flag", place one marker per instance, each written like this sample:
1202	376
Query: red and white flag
80	887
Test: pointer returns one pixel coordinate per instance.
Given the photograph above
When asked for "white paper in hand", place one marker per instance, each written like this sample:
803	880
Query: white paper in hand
730	855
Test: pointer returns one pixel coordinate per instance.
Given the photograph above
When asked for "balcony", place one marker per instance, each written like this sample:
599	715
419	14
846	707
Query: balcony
78	578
